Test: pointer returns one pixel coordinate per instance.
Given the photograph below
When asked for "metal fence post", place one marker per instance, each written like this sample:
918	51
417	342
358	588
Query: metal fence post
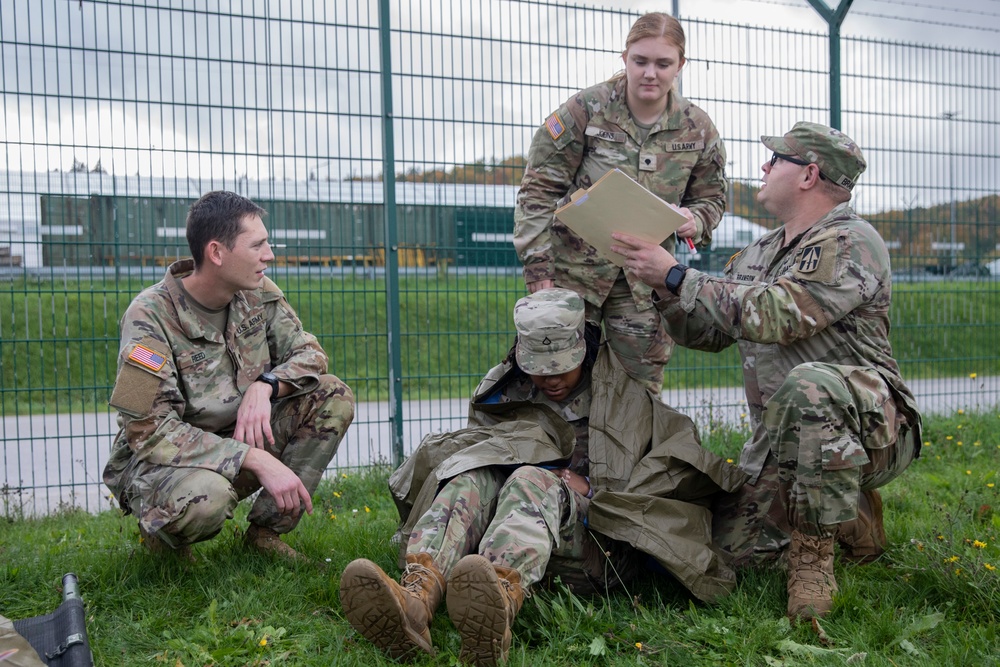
834	18
393	327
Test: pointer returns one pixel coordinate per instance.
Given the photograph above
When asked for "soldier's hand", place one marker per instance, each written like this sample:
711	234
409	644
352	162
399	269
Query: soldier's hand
574	481
253	419
288	491
648	261
689	228
540	285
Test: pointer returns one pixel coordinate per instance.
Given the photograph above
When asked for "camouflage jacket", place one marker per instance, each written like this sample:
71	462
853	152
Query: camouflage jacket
682	161
180	382
653	480
822	298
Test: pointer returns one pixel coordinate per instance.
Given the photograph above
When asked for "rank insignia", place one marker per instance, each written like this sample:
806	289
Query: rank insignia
144	356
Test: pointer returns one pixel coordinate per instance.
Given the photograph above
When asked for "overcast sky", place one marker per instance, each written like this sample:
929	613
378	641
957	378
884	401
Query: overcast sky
969	24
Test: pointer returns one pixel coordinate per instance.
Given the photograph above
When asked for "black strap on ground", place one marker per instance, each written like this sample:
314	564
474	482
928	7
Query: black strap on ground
60	638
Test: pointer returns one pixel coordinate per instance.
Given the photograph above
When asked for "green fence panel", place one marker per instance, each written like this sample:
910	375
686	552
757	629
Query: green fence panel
118	114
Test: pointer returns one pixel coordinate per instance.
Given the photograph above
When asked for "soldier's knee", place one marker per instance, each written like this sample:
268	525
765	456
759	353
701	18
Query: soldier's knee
813	383
339	402
532	476
203	509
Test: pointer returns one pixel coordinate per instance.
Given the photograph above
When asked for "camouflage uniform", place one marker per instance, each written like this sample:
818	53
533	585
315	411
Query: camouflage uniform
830	413
488	488
174	462
682	160
527	517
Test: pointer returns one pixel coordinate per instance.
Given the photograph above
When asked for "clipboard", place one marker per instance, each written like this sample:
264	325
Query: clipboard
617	203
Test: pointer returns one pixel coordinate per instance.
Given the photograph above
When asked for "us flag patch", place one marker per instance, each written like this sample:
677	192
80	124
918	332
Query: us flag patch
144	356
809	261
555	126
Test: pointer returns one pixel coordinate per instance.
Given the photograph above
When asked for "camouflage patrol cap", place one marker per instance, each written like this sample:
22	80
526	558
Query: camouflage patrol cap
549	327
835	153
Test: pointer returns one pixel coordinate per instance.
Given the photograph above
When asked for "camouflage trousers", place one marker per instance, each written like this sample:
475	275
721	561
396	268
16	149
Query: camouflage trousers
832	431
529	520
637	338
186	505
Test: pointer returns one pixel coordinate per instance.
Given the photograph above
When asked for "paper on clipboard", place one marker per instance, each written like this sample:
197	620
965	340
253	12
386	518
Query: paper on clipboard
617	203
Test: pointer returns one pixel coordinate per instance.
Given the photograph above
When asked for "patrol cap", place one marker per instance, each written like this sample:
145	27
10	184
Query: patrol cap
549	327
835	153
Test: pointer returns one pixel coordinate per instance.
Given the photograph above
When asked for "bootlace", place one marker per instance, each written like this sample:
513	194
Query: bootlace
509	588
414	575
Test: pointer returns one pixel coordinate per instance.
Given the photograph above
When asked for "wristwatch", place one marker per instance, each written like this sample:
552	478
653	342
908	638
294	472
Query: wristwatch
675	276
270	379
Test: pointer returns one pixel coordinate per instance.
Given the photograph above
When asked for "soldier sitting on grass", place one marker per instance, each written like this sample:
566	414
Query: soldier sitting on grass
568	466
220	392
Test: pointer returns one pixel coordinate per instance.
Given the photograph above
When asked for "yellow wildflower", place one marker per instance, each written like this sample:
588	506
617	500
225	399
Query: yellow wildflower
972	376
948	437
367	509
989	485
951	559
940	538
958	571
729	460
638	645
961	412
968	472
336	494
989	567
978	544
263	642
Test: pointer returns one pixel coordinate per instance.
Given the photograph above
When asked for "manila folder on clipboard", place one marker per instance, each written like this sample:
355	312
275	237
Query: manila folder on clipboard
617	203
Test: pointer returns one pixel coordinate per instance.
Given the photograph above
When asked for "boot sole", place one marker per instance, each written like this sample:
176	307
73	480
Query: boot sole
375	612
477	607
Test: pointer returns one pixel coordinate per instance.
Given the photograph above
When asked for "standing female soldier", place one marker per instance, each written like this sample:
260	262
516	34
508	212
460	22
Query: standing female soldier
638	123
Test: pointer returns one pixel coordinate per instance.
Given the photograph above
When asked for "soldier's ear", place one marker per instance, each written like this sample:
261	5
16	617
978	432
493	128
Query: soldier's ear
213	252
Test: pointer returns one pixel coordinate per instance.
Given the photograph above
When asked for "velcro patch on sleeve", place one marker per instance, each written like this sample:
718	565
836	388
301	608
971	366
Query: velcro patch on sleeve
817	262
147	357
135	390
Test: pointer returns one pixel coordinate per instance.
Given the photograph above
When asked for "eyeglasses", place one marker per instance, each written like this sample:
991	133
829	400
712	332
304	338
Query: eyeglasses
794	160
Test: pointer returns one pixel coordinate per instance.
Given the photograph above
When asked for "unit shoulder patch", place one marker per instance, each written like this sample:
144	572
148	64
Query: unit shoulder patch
817	262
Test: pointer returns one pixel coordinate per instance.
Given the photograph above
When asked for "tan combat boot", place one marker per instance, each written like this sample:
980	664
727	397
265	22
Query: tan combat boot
811	584
863	539
483	600
266	540
394	617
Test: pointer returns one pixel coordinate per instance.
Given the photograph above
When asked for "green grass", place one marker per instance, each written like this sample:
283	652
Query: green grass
933	599
59	340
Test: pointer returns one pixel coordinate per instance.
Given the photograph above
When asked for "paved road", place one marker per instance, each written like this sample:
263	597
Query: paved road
58	459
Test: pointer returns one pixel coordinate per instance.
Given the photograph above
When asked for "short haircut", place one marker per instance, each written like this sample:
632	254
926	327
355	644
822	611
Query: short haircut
217	216
838	194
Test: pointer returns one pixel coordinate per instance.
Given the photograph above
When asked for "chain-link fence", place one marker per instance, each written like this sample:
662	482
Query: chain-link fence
390	192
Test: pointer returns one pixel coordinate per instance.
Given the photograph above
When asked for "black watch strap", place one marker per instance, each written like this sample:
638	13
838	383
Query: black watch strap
270	379
675	276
